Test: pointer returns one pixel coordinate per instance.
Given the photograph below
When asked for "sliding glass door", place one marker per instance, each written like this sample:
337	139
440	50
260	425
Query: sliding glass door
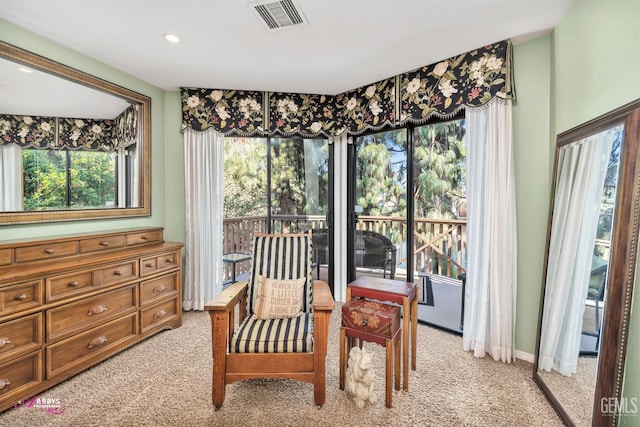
278	185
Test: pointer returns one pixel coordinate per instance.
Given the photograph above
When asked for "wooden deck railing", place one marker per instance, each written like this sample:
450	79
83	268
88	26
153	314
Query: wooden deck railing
440	245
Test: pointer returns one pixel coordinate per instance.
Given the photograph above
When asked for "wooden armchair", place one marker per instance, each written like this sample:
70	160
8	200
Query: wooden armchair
281	347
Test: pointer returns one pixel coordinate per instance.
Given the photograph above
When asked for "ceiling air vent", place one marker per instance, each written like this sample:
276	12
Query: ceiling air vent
277	15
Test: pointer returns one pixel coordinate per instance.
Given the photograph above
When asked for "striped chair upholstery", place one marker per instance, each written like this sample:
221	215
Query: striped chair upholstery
277	257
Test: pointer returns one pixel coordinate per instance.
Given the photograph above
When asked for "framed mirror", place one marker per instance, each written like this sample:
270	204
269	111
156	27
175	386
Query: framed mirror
72	146
590	266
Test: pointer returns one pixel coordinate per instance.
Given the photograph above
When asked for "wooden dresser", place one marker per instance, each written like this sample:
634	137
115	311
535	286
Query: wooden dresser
69	302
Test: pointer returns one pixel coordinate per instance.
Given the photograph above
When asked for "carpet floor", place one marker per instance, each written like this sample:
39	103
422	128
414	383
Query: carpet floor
166	381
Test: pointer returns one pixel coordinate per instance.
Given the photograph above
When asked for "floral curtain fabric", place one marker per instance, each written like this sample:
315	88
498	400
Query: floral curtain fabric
68	133
471	79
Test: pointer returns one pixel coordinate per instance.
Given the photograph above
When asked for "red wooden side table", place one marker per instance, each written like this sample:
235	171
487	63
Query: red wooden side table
397	292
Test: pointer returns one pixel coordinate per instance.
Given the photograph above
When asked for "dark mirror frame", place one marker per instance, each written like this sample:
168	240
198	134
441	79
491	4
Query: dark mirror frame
623	258
35	61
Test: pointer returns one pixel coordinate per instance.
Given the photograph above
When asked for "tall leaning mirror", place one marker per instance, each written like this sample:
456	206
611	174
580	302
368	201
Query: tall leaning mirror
72	146
590	268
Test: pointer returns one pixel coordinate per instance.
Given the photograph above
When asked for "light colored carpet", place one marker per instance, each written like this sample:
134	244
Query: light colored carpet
166	381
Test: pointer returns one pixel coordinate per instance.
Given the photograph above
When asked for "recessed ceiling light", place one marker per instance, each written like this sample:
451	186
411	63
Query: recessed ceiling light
25	70
172	38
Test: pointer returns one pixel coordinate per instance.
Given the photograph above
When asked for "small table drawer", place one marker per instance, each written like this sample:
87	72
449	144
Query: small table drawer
101	243
20	297
77	352
20	374
69	319
144	237
159	314
159	288
155	264
50	250
20	336
6	256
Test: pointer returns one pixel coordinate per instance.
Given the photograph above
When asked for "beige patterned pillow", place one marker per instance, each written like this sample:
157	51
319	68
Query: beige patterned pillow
279	298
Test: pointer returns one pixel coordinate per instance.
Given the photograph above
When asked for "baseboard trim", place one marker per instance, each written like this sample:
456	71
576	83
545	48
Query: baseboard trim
523	355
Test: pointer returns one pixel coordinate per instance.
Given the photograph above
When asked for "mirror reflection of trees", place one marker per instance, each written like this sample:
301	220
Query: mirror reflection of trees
62	179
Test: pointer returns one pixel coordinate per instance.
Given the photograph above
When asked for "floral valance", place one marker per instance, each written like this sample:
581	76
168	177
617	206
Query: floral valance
471	79
70	133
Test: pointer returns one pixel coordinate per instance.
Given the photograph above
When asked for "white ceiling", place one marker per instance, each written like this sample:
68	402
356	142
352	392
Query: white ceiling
346	44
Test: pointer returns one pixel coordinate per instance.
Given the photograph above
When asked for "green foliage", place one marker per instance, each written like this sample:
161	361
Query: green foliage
439	171
299	176
92	177
245	177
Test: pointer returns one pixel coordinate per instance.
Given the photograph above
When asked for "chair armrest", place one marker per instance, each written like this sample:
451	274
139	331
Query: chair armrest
228	298
322	298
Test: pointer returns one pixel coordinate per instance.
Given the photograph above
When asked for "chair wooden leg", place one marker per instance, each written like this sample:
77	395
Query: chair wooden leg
219	350
387	392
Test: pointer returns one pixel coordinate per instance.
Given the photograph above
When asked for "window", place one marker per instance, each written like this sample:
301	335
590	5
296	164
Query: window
64	179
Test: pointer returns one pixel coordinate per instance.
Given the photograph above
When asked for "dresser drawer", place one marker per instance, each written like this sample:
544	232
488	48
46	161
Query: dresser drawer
139	238
101	243
118	273
49	250
159	314
87	348
20	297
155	264
160	288
75	317
19	375
20	336
6	256
82	282
66	285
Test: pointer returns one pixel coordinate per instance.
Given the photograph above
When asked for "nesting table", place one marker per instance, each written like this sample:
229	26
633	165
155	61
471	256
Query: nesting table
397	292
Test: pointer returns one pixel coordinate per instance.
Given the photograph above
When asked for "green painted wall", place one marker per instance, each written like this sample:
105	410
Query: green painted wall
595	68
17	36
175	213
532	173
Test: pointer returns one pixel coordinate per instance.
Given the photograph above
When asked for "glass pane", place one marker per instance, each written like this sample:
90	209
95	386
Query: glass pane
93	179
46	175
381	203
299	184
245	189
440	220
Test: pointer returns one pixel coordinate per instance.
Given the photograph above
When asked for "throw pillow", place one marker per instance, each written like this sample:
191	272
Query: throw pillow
279	298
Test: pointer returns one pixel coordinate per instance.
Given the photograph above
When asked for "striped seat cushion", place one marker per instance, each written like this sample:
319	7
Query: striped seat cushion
288	335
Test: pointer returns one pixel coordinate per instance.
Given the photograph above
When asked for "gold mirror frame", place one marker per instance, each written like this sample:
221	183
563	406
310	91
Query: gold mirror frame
622	270
41	63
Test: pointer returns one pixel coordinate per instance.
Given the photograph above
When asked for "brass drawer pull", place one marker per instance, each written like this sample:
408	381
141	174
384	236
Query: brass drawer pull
4	382
49	251
144	238
97	310
4	340
149	264
117	273
20	297
159	314
73	284
169	261
104	243
97	341
159	289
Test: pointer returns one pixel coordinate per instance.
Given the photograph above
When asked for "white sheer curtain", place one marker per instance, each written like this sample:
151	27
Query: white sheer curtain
582	168
204	180
490	307
10	178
